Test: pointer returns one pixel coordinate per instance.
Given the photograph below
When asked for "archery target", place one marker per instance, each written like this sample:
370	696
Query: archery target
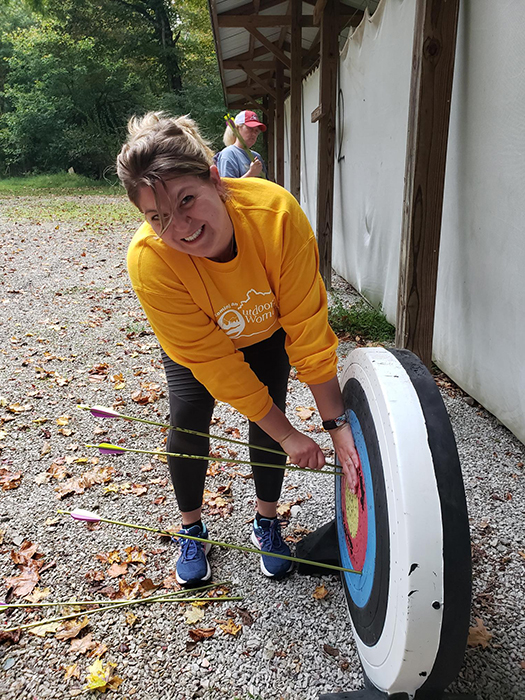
406	528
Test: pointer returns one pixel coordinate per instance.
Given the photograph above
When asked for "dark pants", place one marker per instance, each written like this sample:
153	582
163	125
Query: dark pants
191	406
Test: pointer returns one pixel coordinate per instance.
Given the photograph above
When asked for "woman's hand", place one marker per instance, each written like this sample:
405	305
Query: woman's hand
345	448
255	168
302	450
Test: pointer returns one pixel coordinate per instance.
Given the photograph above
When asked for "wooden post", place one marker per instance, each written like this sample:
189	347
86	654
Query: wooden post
279	123
326	140
295	101
434	49
269	135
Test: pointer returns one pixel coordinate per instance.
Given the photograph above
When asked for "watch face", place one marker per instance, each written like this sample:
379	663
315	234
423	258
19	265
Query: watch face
340	421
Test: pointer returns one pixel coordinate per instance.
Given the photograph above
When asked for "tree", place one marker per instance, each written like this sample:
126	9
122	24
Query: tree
140	28
75	72
68	103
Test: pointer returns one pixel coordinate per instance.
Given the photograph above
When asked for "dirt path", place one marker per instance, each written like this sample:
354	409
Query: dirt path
73	333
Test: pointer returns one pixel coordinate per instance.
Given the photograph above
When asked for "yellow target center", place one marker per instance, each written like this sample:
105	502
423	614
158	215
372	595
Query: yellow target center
352	512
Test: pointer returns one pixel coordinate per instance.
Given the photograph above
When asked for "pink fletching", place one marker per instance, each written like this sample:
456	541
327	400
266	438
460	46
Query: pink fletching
103	412
88	516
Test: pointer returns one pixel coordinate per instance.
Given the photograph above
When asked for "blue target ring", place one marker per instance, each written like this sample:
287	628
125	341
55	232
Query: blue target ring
359	585
406	529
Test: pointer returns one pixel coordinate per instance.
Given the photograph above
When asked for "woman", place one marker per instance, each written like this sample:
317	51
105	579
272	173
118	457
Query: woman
233	161
227	274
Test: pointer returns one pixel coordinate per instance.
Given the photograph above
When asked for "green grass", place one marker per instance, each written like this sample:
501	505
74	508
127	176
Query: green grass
60	183
87	213
360	321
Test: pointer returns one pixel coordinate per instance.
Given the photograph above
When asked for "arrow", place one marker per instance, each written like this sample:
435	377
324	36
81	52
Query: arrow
91	517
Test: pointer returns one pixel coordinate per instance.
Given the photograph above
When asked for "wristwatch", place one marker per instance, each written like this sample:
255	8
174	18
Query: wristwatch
335	422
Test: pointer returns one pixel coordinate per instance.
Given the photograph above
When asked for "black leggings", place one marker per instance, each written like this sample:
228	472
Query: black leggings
191	406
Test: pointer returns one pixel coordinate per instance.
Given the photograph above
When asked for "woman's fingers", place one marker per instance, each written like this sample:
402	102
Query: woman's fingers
303	451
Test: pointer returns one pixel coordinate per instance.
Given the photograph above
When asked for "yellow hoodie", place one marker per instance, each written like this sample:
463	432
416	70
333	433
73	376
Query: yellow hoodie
203	311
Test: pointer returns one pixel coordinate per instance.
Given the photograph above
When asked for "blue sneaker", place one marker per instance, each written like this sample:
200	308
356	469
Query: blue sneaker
192	564
266	535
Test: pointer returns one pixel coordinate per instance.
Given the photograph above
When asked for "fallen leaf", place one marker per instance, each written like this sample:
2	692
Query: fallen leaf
23	584
38	594
283	509
128	590
72	671
45	628
101	677
247	619
320	592
72	628
171	581
99	650
109	557
116	570
9	480
199	634
332	651
131	618
63	420
10	637
83	645
230	627
305	413
193	615
94	575
479	635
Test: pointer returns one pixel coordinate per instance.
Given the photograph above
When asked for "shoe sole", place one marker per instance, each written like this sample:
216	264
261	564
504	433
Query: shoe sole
207	577
265	571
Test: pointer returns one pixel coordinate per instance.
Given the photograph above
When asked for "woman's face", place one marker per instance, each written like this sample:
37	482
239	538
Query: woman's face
196	217
249	134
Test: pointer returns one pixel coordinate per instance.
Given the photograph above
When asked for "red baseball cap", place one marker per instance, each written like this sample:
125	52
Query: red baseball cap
249	119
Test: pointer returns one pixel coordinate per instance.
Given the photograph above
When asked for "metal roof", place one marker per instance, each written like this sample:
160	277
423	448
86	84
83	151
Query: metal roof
250	38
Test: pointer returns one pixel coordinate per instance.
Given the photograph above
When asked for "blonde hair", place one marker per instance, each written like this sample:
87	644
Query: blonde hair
160	148
228	137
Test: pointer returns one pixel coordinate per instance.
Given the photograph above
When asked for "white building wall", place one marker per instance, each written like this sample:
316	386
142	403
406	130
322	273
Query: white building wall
479	331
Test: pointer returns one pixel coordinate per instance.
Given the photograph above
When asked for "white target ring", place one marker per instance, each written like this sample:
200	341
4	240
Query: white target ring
397	611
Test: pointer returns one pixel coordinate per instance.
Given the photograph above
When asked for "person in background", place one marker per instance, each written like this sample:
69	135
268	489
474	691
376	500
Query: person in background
233	161
227	272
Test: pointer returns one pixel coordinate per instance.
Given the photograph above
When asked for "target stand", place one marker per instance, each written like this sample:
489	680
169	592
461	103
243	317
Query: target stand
406	530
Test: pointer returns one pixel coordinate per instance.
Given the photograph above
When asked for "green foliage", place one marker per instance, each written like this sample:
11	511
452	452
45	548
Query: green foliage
68	103
72	76
359	320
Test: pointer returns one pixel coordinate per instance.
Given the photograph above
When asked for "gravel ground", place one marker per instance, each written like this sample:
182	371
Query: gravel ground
72	332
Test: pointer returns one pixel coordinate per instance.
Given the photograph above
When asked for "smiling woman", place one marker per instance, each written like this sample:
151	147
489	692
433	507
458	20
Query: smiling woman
189	215
227	273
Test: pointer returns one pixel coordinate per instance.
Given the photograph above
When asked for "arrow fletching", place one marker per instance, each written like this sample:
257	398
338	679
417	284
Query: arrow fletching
86	515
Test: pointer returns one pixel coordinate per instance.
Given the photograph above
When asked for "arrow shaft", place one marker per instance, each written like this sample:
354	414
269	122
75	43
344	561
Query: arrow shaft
207	458
241	548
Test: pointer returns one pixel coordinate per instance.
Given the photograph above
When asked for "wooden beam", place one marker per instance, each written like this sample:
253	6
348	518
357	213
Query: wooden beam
246	21
283	58
435	31
326	138
318	11
296	88
316	114
246	104
279	124
251	8
269	135
234	64
257	79
252	92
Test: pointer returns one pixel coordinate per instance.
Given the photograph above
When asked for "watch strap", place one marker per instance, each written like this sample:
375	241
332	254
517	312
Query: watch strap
335	422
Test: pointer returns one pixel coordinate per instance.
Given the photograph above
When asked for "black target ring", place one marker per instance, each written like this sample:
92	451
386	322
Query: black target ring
410	614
